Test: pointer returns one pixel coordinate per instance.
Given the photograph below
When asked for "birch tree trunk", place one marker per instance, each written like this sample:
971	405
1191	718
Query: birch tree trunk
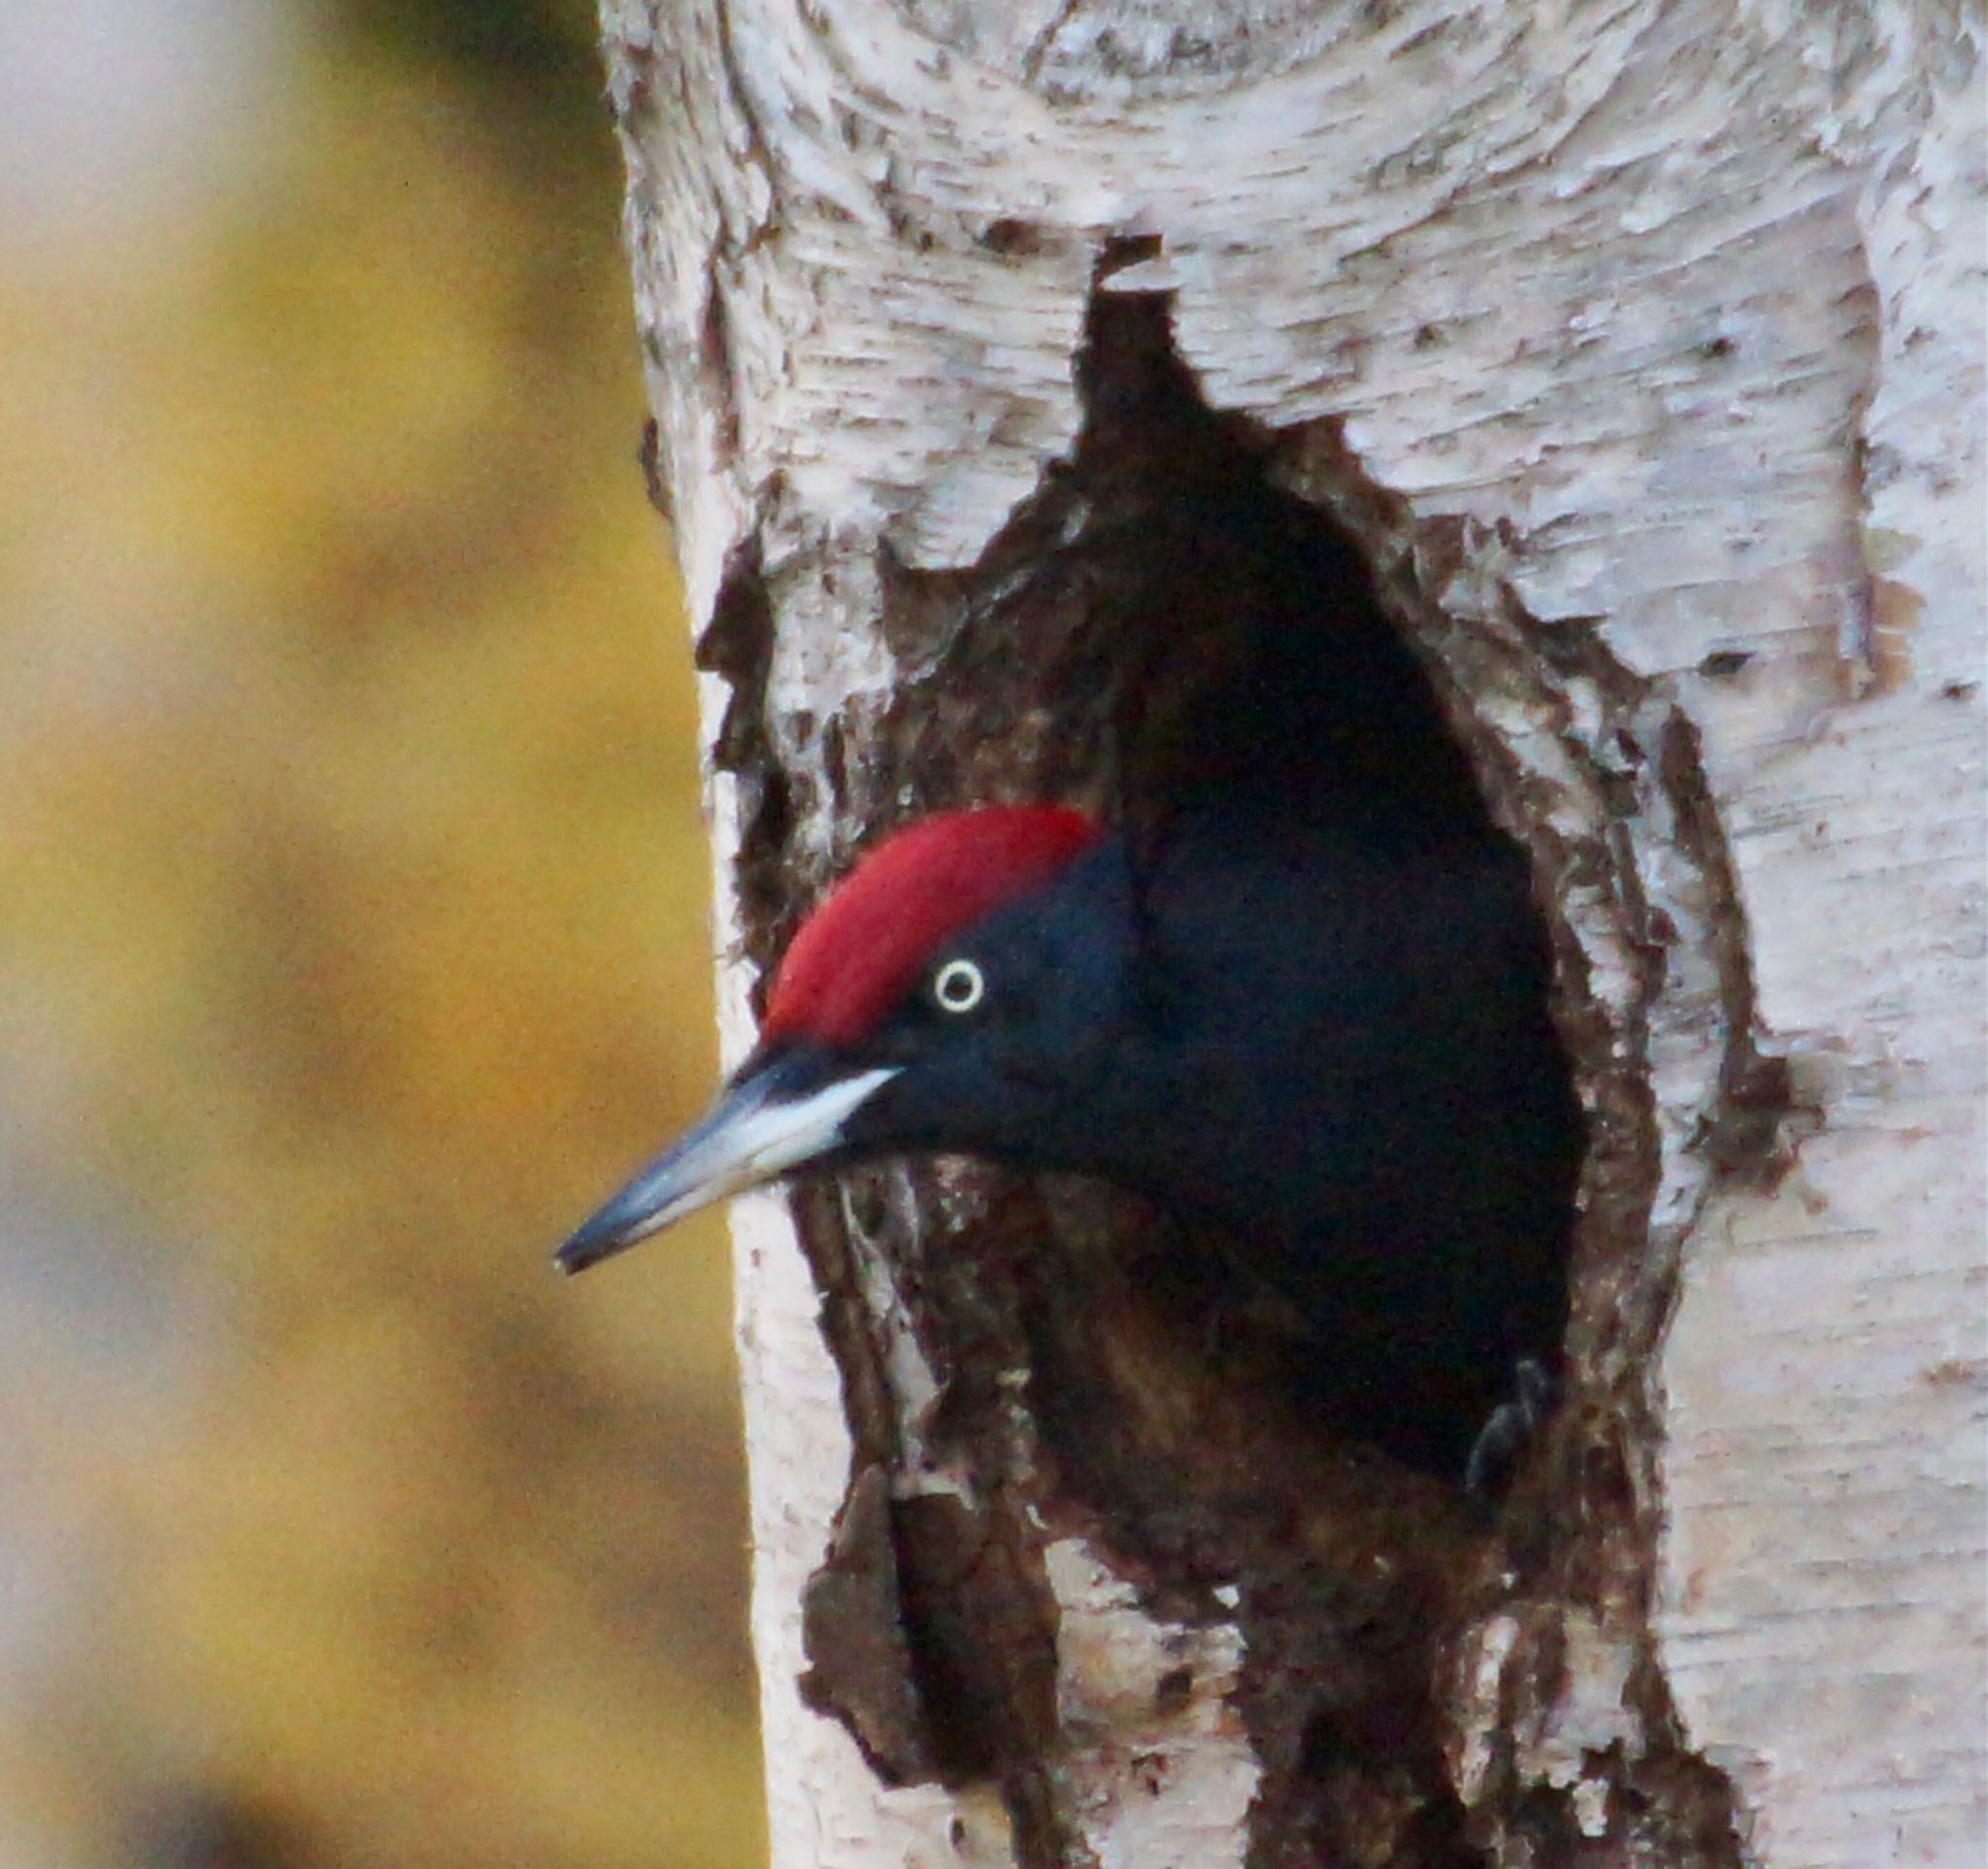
1638	348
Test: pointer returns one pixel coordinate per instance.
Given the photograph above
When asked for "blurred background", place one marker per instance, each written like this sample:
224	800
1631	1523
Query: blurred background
352	943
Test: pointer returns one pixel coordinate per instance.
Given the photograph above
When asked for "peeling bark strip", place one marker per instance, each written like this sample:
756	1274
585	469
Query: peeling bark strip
1637	350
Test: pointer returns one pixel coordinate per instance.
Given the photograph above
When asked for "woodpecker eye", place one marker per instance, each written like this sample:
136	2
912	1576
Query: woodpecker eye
958	987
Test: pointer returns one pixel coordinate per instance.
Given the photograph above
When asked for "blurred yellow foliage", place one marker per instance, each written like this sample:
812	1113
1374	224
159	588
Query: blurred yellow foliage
352	943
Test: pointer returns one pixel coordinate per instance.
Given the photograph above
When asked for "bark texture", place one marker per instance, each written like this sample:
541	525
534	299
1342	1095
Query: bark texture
1001	353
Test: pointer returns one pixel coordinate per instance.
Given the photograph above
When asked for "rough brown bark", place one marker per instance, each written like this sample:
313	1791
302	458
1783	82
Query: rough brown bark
1638	349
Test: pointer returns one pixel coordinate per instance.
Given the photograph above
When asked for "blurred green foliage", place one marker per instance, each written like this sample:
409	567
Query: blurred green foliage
353	942
544	48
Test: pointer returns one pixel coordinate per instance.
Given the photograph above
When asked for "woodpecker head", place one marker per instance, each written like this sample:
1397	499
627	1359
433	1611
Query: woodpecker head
952	993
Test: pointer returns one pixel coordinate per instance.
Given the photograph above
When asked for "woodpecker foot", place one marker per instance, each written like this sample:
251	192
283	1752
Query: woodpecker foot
1509	1431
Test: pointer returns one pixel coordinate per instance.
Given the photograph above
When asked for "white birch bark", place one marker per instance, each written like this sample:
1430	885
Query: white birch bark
1664	324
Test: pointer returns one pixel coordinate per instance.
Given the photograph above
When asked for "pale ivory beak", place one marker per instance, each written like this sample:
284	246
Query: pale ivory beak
763	1125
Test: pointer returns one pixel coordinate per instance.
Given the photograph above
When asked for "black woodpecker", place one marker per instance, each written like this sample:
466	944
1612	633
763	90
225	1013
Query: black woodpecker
1318	1028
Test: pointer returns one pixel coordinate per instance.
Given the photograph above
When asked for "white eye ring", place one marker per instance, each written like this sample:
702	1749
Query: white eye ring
958	987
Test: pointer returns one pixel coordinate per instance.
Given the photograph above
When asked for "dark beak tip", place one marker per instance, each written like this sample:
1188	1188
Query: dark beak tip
570	1261
582	1249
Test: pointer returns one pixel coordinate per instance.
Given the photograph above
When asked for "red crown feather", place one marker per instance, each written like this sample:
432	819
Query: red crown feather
872	932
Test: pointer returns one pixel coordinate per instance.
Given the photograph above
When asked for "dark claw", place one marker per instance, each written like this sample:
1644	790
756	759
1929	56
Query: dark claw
1509	1431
